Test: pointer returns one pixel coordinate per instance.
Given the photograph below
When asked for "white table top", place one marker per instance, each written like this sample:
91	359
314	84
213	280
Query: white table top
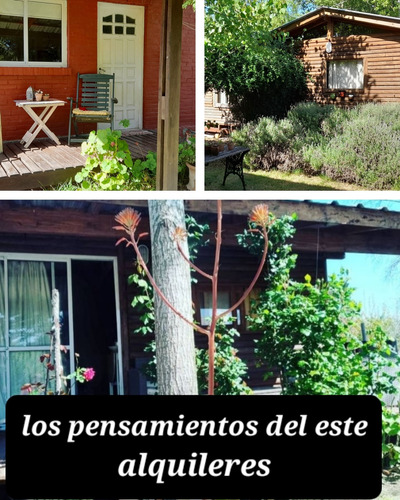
55	102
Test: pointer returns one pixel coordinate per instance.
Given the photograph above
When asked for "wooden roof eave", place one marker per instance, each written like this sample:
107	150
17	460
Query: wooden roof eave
323	15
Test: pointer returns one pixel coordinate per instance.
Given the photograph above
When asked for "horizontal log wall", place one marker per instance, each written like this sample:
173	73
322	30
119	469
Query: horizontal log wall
216	114
381	55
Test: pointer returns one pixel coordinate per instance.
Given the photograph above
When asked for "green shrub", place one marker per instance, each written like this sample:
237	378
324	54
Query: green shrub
269	141
309	116
366	150
359	145
311	332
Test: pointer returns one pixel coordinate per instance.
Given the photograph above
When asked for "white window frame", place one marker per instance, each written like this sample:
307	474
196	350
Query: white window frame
220	99
68	259
26	62
331	85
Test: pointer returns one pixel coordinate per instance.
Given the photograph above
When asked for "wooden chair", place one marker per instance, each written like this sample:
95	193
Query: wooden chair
94	102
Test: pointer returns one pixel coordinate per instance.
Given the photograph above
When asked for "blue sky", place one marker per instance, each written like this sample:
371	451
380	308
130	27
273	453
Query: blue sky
377	283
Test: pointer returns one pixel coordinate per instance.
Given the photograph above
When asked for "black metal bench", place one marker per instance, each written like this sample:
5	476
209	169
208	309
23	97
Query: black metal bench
233	161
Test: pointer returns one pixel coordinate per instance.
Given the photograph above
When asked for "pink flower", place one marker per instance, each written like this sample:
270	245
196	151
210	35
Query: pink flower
26	389
88	374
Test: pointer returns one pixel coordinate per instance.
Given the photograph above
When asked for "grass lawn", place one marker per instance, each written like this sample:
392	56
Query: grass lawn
270	181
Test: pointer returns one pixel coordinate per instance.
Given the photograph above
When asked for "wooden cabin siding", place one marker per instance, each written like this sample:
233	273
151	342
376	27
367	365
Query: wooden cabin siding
219	115
212	113
381	56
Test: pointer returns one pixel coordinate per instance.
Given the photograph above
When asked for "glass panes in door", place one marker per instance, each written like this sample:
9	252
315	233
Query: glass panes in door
26	321
118	24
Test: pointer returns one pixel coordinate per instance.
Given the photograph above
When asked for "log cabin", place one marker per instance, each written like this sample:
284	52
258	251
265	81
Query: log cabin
217	114
350	57
70	245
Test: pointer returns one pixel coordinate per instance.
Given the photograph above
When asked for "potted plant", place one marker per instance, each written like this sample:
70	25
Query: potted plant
46	97
231	145
38	95
187	158
211	148
221	146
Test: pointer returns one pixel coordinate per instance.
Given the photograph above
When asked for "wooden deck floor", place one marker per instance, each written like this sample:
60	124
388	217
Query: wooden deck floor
45	164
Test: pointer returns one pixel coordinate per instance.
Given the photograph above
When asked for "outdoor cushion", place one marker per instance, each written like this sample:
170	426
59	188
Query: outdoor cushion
87	112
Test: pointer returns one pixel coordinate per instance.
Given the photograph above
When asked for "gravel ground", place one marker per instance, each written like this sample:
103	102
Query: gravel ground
391	487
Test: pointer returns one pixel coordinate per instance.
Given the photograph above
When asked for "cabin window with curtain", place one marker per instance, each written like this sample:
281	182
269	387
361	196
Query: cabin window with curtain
33	33
346	74
224	302
25	320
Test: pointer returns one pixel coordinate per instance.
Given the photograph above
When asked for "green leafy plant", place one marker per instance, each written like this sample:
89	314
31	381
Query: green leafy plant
230	370
311	332
359	145
186	153
108	162
145	170
109	165
391	436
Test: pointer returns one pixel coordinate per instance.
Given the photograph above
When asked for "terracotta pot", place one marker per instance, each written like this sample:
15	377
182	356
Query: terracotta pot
191	185
221	147
231	145
38	97
46	97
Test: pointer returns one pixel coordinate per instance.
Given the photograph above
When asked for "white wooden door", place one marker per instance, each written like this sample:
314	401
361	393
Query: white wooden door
120	51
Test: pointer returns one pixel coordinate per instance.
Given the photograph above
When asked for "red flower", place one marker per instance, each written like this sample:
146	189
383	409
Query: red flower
129	220
26	389
89	374
259	215
179	235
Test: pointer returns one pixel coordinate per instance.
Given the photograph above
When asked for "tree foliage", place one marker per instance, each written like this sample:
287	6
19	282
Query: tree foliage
245	58
383	7
311	330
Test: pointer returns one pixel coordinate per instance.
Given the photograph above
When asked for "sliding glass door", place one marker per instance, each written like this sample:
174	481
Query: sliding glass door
88	316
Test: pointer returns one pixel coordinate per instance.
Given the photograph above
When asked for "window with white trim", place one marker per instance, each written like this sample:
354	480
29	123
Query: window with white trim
346	74
33	33
220	98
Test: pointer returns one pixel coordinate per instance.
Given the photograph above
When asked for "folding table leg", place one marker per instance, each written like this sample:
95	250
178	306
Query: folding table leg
39	124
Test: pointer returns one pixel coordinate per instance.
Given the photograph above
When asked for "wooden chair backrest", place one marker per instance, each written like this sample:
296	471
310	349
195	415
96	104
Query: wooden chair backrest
93	91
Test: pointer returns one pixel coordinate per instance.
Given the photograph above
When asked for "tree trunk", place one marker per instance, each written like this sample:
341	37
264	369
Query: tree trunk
176	366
